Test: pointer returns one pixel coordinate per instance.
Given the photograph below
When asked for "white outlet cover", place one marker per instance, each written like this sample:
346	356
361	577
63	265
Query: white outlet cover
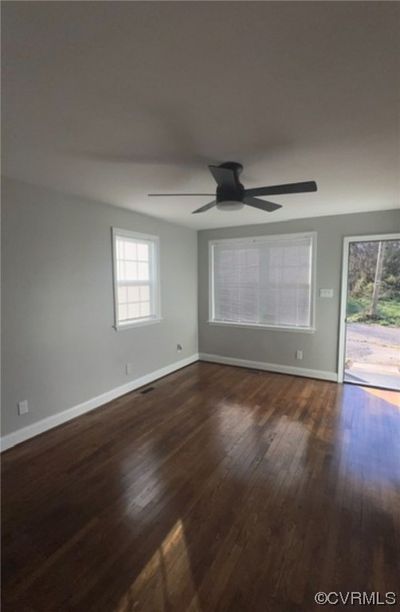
129	368
23	407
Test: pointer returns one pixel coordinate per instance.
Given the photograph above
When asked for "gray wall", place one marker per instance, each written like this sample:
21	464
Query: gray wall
279	347
59	345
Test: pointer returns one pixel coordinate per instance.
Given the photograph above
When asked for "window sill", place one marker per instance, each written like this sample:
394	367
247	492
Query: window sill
287	328
139	323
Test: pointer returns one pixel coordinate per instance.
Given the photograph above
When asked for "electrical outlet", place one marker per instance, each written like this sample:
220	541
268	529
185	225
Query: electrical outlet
129	368
179	348
299	354
23	407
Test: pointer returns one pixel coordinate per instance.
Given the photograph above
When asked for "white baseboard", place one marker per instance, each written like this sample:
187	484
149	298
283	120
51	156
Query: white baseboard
16	437
270	367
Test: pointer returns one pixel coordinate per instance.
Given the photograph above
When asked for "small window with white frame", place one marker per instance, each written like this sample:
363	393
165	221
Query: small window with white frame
265	281
136	278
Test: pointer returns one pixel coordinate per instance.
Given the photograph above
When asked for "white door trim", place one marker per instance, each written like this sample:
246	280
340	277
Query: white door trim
343	293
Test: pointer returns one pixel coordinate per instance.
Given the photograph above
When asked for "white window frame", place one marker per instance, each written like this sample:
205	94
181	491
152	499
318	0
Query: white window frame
156	318
310	329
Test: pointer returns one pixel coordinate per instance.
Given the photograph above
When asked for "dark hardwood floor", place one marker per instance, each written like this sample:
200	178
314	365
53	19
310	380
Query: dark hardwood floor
221	489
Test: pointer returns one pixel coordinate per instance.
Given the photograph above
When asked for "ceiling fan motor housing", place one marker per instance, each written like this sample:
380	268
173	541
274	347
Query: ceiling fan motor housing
230	196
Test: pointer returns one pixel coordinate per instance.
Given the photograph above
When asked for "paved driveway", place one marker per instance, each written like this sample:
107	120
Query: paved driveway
373	344
373	355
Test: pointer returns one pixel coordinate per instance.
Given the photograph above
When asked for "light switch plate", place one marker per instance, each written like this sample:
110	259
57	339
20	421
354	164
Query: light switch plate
326	293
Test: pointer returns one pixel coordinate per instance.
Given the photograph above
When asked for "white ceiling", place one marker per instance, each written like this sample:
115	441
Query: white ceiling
113	100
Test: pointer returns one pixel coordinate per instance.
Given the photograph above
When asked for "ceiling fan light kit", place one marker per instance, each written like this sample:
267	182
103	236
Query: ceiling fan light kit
231	195
230	205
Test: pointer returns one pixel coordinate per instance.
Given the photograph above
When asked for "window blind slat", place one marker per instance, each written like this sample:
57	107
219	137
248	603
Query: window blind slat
265	282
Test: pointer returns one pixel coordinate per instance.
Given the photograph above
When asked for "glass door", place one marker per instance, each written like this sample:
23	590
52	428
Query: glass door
372	325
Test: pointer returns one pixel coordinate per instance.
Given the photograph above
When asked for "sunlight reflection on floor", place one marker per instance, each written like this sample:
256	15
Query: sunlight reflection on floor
165	583
391	397
290	439
367	439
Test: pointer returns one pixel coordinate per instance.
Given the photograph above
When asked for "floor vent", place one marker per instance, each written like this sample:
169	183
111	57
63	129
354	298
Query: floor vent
147	390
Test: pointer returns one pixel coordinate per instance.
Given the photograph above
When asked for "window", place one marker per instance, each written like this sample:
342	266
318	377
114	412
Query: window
266	281
136	282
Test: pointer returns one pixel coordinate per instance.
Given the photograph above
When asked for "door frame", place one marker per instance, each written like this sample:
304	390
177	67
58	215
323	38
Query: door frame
343	291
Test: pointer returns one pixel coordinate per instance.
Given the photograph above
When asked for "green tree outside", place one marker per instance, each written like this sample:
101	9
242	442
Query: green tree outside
374	283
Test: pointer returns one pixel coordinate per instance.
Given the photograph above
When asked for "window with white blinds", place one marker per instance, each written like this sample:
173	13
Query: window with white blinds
266	281
136	282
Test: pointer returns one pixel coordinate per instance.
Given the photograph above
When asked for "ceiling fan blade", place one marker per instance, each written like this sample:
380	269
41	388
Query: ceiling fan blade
283	189
169	195
205	207
261	204
223	176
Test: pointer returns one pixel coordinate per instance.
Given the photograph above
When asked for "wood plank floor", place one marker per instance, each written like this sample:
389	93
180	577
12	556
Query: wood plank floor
221	489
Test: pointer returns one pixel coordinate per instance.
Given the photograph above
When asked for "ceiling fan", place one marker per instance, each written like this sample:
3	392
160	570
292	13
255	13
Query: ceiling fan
231	195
